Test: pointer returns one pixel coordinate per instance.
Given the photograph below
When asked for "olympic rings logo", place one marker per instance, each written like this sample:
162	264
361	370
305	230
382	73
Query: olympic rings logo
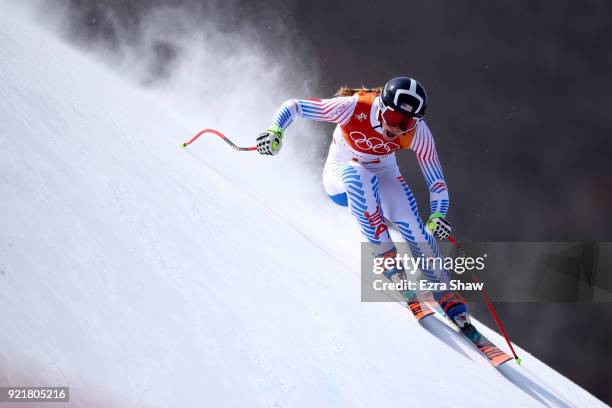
372	144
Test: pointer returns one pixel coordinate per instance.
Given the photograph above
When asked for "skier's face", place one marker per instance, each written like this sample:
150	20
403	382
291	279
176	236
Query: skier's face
395	123
391	132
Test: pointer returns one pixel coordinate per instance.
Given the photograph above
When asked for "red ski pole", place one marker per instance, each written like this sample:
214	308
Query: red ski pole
488	302
222	136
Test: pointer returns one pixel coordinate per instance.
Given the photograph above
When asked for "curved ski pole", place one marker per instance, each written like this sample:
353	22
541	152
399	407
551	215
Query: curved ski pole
222	136
498	322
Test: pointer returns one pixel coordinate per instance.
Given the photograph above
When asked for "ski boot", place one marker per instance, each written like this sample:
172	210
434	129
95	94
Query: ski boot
397	275
453	305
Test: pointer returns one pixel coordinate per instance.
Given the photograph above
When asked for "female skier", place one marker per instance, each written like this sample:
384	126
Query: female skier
361	171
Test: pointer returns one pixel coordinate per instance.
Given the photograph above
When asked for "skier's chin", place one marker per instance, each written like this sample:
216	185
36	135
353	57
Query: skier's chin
390	135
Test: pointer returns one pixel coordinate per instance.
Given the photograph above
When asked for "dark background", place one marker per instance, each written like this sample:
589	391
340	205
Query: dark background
520	93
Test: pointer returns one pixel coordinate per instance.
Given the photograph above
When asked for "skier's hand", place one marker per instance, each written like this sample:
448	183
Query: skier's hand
270	141
438	226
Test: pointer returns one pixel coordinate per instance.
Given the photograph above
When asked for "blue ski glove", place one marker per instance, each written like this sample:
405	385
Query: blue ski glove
270	141
438	226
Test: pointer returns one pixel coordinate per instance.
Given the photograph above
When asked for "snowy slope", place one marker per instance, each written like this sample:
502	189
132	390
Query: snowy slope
140	274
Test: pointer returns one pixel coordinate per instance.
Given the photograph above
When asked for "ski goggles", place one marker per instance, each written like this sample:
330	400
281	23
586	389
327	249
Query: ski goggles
395	119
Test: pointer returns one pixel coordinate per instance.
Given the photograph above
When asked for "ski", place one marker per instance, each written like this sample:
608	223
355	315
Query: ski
490	351
419	309
486	347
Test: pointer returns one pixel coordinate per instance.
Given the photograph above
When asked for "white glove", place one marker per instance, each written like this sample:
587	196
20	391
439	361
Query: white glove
438	226
270	141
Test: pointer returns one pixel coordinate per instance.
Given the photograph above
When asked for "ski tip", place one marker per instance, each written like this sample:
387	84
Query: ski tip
518	360
183	145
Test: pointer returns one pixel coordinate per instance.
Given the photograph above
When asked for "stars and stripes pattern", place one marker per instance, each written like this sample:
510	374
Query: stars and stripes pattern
334	110
421	243
425	150
363	197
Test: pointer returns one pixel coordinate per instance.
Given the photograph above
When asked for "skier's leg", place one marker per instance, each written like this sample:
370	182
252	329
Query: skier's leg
334	187
360	187
332	184
400	207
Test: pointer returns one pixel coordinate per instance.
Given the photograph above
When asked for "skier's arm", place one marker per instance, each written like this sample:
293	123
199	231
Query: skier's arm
425	149
335	110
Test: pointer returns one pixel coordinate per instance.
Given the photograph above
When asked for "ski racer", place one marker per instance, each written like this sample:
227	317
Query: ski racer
362	174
